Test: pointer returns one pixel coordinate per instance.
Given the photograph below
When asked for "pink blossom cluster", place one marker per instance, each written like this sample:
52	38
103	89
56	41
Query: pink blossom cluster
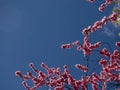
54	78
103	5
99	24
86	47
111	67
57	80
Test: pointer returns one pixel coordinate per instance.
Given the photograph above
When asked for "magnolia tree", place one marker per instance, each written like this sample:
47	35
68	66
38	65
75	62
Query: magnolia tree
108	77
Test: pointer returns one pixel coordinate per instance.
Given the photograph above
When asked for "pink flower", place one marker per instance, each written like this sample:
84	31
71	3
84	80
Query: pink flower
56	79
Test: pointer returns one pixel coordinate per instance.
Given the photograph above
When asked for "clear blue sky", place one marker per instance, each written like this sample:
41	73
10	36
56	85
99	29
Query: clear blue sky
33	31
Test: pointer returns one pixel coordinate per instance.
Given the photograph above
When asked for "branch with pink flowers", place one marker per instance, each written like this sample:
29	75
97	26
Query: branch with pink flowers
107	78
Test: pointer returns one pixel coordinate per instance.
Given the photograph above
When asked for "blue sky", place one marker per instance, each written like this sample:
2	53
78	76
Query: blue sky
33	31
